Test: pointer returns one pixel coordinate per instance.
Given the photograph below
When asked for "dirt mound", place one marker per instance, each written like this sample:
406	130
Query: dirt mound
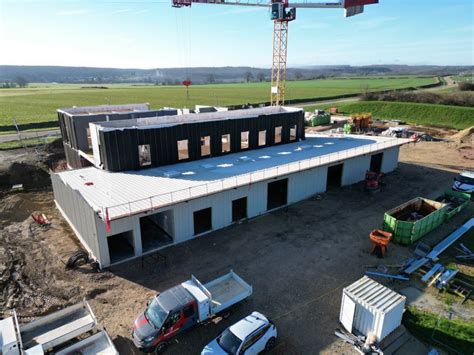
30	167
14	208
55	146
56	162
31	176
33	277
17	207
466	136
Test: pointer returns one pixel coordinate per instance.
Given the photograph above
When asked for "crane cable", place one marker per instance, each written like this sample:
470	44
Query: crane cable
183	42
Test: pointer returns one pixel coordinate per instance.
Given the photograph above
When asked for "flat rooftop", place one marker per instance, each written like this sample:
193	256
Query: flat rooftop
165	121
104	109
131	192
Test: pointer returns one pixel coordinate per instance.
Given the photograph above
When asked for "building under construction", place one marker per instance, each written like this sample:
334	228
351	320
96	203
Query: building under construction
159	181
75	131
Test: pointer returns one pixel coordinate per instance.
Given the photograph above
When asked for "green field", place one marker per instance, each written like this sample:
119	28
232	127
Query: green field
38	103
423	114
468	78
454	336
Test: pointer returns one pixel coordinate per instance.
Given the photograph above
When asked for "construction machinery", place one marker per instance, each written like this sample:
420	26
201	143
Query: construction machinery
281	13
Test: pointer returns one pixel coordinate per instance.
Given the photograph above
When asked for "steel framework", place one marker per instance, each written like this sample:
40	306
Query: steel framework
280	48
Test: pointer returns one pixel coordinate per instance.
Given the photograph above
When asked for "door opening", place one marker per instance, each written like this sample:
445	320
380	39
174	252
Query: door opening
277	194
334	177
120	246
239	209
202	220
157	230
376	162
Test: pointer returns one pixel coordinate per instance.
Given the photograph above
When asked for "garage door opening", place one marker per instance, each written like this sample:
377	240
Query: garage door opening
376	162
202	220
277	194
120	246
157	230
334	178
239	209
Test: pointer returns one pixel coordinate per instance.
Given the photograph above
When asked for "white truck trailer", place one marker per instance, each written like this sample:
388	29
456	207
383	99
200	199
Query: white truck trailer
46	334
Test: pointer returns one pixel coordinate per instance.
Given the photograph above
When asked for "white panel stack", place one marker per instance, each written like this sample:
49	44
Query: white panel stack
368	306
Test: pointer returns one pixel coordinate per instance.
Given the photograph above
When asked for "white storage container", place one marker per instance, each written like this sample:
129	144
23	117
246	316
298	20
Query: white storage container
368	306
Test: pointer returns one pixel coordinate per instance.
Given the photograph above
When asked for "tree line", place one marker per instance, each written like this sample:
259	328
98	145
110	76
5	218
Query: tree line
20	82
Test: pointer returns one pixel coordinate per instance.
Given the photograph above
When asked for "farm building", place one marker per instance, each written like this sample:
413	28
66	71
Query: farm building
234	165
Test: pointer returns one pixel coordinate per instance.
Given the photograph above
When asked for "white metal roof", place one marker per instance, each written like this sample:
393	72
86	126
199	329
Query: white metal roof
374	295
131	192
103	109
163	121
248	325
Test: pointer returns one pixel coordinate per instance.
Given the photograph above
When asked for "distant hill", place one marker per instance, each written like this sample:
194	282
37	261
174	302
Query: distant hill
88	75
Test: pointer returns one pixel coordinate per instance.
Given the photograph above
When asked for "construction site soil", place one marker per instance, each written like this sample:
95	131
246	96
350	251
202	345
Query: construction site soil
297	259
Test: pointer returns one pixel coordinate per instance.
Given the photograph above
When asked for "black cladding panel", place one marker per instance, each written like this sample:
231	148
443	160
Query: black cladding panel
119	148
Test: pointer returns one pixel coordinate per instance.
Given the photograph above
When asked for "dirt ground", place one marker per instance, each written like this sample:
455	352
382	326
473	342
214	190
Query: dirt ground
297	259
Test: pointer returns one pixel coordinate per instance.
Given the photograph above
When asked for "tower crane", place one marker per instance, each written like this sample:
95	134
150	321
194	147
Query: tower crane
281	13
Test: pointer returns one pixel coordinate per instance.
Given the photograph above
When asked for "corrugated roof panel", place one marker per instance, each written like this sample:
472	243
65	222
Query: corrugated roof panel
129	192
374	295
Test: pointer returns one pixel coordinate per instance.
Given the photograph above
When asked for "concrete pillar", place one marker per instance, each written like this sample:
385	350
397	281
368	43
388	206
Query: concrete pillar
390	159
137	237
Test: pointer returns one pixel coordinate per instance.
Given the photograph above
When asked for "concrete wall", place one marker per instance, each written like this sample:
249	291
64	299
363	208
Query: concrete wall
116	227
354	169
390	159
305	184
79	214
221	204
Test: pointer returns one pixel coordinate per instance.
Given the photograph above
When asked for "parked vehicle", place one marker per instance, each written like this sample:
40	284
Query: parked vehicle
464	182
48	334
183	306
251	335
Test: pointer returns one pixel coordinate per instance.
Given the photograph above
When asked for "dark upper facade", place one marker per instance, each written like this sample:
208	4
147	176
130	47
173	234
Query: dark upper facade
74	126
150	142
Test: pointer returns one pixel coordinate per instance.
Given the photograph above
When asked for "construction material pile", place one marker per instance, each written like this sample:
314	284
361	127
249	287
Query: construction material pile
405	132
414	211
318	118
466	136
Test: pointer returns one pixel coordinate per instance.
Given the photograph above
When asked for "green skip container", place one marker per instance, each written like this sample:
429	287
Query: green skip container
455	201
414	219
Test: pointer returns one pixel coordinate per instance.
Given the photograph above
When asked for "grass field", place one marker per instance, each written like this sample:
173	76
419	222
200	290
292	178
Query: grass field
464	78
449	334
423	114
39	103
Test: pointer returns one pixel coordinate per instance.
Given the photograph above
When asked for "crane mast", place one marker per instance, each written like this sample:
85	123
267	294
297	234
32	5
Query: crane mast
280	49
281	13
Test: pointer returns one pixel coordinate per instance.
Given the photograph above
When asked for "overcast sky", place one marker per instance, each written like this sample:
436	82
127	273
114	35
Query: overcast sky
150	34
